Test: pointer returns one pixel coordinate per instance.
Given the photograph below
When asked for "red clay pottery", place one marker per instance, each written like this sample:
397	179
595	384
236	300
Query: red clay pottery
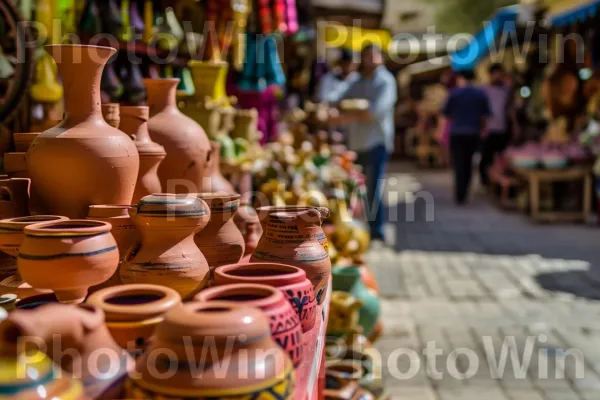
285	324
82	161
24	139
215	181
218	350
133	311
134	122
291	281
221	241
14	197
68	257
123	229
167	254
111	114
341	383
185	141
293	235
77	339
246	219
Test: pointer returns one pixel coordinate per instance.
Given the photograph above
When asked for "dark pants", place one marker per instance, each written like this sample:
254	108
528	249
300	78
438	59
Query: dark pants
462	150
374	162
495	143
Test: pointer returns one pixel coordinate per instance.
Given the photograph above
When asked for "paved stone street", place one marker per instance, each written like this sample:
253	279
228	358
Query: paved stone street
475	280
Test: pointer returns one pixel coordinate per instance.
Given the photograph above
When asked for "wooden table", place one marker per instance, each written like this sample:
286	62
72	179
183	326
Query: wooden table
535	177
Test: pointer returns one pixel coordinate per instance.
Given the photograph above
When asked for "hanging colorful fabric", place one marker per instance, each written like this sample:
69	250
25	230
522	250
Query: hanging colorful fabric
253	73
148	21
126	34
90	23
280	16
292	17
273	73
135	19
264	16
186	84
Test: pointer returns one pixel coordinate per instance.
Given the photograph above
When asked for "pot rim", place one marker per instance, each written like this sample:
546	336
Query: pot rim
18	223
291	274
270	296
71	227
225	197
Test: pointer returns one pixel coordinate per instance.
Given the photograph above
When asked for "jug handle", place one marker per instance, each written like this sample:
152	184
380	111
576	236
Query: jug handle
5	191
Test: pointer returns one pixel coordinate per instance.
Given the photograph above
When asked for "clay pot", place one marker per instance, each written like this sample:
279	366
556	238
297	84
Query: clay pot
221	241
123	229
14	197
184	336
68	257
341	384
23	140
82	161
216	180
167	254
111	114
285	324
295	237
291	281
185	141
134	122
133	311
246	219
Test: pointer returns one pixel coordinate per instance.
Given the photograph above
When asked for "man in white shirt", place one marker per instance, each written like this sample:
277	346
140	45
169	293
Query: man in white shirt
335	83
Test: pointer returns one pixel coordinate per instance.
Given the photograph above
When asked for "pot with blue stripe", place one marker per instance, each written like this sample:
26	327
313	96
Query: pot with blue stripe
68	257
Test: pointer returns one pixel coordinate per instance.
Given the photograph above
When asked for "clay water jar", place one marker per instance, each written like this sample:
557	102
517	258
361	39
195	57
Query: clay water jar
134	122
167	254
14	197
23	140
246	219
68	257
111	114
291	281
184	141
123	229
221	241
285	325
293	235
215	181
83	160
237	335
133	311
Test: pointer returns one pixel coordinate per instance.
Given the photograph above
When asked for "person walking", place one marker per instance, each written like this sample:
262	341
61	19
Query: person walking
335	83
467	110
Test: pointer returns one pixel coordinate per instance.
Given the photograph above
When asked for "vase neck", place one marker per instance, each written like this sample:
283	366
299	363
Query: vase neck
134	122
162	95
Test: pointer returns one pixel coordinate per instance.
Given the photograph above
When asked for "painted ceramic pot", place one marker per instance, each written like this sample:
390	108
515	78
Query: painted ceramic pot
291	281
167	254
123	229
82	161
348	279
23	140
185	141
68	257
341	384
227	327
14	197
111	114
215	181
246	219
221	241
295	237
286	329
134	122
133	312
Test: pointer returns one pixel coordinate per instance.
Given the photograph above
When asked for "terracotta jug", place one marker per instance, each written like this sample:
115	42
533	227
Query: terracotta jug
133	312
221	241
123	229
246	219
68	257
185	142
286	329
24	139
14	197
111	114
291	281
82	161
134	122
184	337
215	181
77	339
167	254
295	237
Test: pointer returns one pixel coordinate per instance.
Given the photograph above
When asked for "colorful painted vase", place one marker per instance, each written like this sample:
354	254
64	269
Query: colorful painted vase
133	312
123	229
246	219
14	197
68	257
293	235
111	114
286	329
291	281
167	254
216	182
82	161
23	140
238	335
348	279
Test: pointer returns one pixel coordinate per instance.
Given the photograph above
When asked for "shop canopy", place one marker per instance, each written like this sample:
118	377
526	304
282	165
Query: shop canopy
568	12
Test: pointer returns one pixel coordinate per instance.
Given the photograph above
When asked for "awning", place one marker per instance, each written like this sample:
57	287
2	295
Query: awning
567	12
353	38
504	21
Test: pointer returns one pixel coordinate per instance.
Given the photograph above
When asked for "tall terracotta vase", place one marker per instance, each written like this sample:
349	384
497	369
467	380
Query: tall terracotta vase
167	254
293	235
134	122
186	143
83	160
215	181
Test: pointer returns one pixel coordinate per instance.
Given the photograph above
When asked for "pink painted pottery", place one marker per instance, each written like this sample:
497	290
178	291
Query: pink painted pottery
186	143
123	229
82	161
24	139
167	254
291	281
133	311
215	181
221	241
68	257
212	350
285	324
246	219
134	122
14	197
111	114
293	235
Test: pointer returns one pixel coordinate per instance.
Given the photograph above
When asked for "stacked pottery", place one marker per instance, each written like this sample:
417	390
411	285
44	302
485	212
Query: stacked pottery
237	336
285	325
291	281
82	161
123	229
246	219
216	180
111	114
167	254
